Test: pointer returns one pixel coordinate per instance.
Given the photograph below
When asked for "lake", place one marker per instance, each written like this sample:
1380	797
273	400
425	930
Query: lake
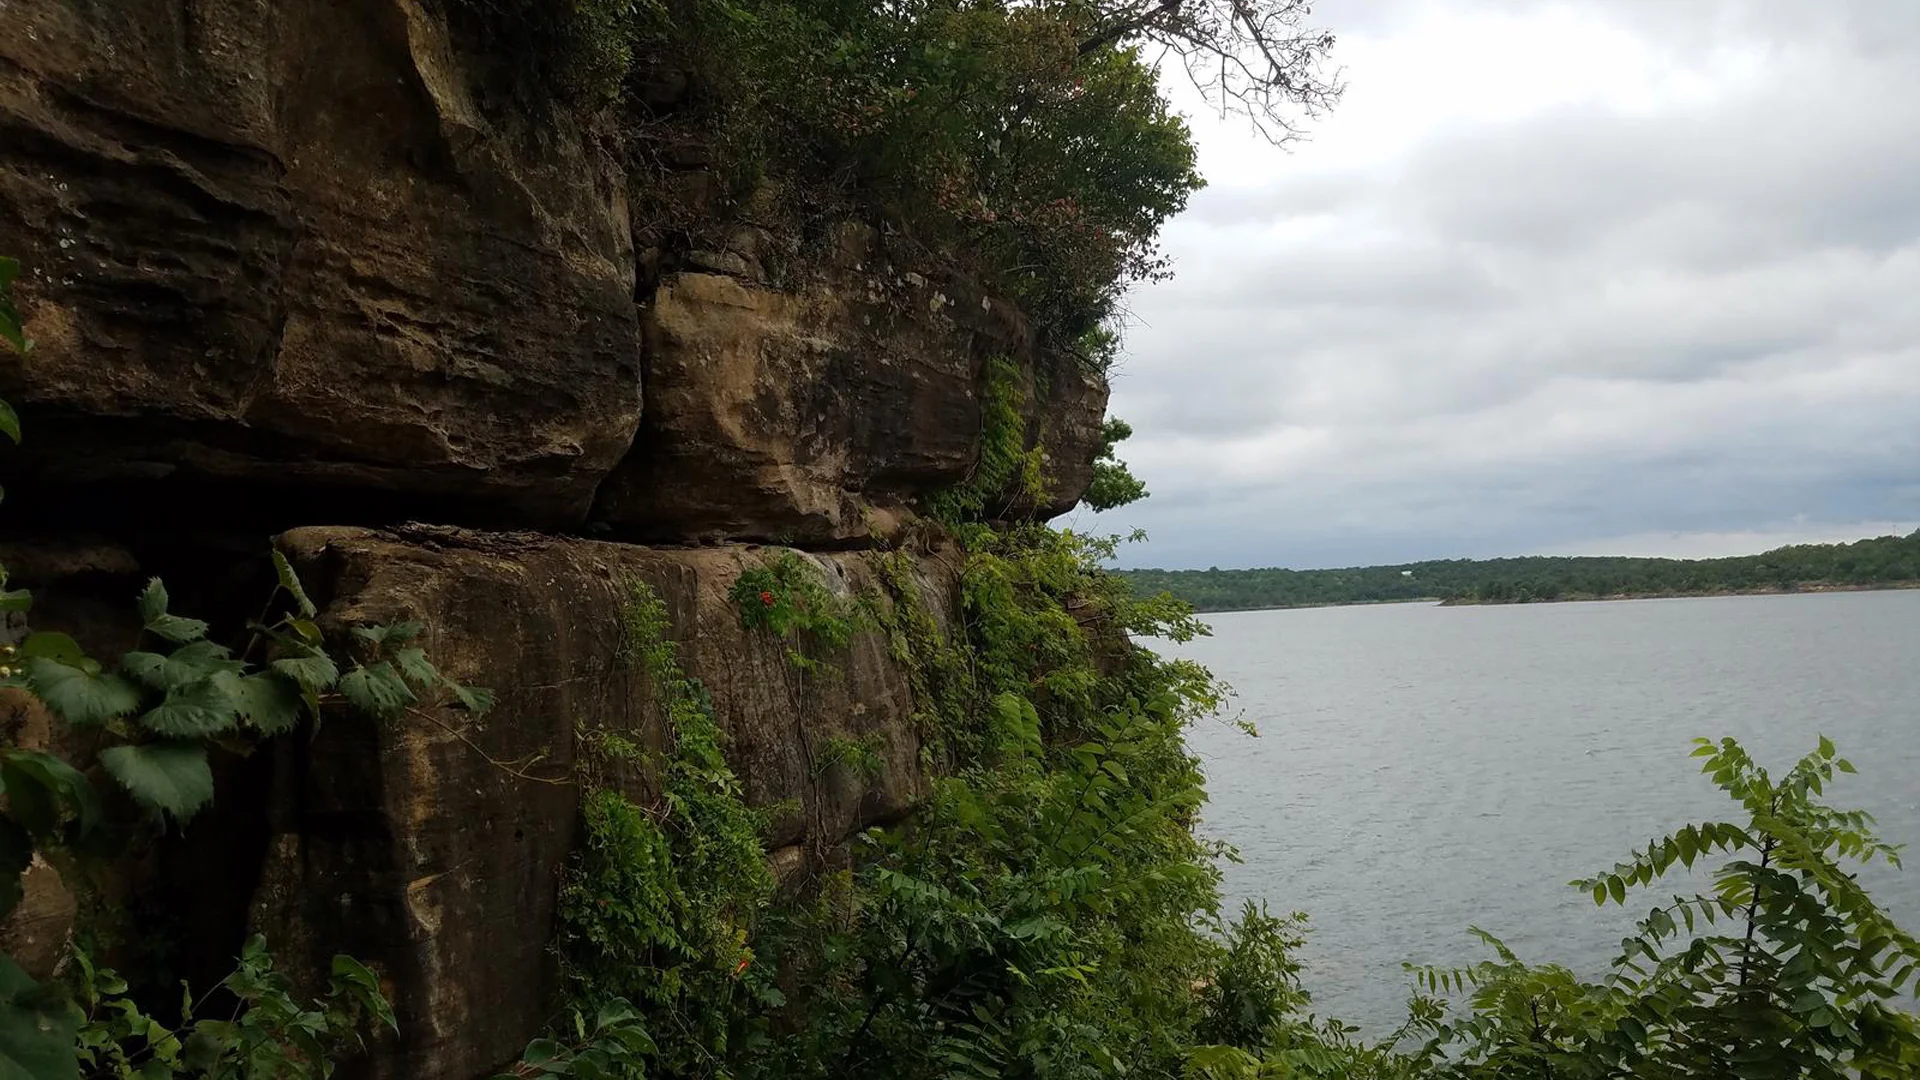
1422	769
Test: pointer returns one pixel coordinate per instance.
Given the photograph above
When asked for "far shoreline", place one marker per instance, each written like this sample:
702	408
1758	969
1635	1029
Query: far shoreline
1587	598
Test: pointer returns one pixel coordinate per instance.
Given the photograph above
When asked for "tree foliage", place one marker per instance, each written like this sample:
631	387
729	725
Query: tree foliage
1888	560
997	137
1785	967
1113	483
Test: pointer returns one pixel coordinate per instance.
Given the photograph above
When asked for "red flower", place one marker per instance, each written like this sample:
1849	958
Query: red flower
740	968
766	598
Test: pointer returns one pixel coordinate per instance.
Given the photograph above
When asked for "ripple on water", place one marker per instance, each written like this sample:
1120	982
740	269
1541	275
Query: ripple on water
1423	769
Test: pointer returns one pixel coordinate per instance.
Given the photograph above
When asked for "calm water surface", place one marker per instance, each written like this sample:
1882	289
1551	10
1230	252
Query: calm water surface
1423	769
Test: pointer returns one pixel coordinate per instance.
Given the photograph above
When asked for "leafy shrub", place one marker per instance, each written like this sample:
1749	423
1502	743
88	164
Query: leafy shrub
1804	978
659	908
1113	484
788	599
1006	469
265	1035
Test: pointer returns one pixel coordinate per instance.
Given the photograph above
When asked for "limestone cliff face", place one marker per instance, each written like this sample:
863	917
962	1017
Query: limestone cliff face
289	277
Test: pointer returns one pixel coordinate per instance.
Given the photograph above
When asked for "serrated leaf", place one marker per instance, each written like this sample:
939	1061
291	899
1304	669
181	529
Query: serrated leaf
378	690
79	697
290	581
475	699
417	668
197	710
178	629
148	668
153	600
315	672
270	701
181	668
171	777
153	614
395	634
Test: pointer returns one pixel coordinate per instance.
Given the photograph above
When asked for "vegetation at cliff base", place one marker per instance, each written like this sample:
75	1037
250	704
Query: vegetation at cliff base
1883	562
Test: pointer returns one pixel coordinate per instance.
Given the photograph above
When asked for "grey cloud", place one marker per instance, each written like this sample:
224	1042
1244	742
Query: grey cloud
1582	324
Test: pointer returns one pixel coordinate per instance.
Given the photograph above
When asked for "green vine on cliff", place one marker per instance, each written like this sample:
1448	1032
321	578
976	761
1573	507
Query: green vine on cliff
661	903
939	673
1007	471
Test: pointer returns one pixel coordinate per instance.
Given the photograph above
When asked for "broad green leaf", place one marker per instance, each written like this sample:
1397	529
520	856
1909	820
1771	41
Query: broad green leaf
153	600
78	697
148	668
1826	747
197	710
271	701
54	646
315	672
183	667
178	629
9	422
20	600
416	667
351	973
290	581
39	1029
1618	888
376	690
396	634
476	700
153	613
171	777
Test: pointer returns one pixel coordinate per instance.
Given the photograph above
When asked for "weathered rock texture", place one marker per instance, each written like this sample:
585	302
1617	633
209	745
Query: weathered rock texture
274	245
279	251
413	846
816	412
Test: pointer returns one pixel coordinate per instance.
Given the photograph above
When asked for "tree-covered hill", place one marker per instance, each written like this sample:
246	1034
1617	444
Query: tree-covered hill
1886	561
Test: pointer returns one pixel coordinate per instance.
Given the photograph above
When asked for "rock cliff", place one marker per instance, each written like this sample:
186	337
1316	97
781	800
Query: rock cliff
290	277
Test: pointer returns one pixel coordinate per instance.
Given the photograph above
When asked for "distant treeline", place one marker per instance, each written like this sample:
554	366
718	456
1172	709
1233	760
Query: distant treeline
1889	560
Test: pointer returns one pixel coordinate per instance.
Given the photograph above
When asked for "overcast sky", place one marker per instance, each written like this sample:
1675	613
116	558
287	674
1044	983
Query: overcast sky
1592	276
